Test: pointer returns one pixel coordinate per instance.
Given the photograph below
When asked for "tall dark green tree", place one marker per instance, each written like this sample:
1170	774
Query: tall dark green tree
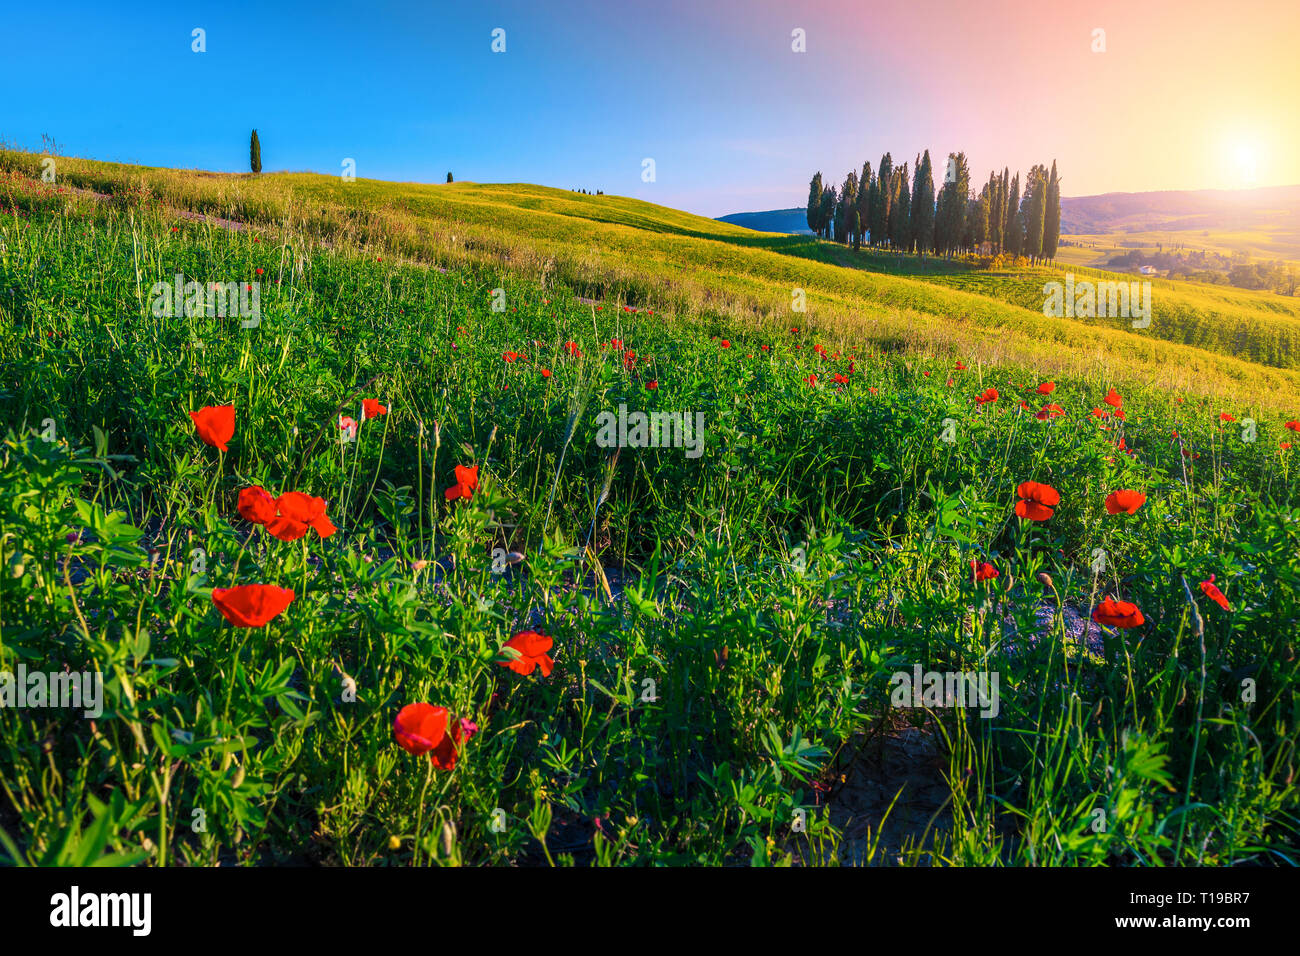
880	201
1052	219
1015	232
995	210
923	206
855	228
982	215
847	203
900	213
255	153
449	179
815	203
827	218
866	184
950	216
1034	211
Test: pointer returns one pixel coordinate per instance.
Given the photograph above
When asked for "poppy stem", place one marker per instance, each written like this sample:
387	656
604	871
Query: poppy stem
419	814
332	420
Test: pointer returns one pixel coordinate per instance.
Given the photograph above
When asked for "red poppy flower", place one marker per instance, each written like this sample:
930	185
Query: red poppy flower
1285	446
1099	413
445	753
960	366
1049	411
616	343
982	571
298	512
256	505
370	408
811	380
1212	592
1047	388
988	395
1037	500
572	349
841	379
532	648
418	728
466	482
1225	417
629	360
1113	399
546	373
259	270
1126	500
653	384
215	425
1294	426
1112	613
251	605
725	344
510	356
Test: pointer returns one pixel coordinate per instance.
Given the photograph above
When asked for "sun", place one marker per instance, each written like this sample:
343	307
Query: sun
1242	156
1246	157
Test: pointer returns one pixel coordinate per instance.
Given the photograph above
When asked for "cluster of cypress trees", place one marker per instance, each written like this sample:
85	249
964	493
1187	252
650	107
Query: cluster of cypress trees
878	208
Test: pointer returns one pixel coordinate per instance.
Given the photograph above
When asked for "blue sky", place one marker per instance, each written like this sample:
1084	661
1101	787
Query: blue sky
585	90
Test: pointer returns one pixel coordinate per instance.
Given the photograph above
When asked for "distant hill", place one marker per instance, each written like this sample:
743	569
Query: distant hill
789	221
1276	207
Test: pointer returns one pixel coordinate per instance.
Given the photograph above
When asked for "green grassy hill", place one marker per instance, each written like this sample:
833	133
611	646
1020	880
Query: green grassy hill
1203	339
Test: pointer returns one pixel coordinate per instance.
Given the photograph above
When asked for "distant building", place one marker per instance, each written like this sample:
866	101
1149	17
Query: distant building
1147	270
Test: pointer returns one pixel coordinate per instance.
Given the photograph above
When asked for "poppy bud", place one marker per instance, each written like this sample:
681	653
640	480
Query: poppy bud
1045	580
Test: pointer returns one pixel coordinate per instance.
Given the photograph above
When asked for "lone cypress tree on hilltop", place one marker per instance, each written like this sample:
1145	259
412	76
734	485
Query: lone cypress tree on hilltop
449	179
254	153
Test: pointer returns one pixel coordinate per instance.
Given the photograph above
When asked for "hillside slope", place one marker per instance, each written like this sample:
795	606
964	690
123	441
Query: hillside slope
1202	339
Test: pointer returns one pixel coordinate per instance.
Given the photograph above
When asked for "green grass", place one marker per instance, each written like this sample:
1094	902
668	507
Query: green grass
762	594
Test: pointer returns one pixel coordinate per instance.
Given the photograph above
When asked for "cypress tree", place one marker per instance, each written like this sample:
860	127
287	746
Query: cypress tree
865	185
254	153
815	203
900	218
885	202
1014	231
449	179
1034	211
950	218
855	227
828	211
1052	219
848	201
923	206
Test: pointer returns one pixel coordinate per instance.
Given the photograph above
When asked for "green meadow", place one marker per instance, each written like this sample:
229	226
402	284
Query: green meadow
727	630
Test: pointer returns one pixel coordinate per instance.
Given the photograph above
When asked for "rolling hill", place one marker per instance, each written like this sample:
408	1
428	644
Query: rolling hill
1202	339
